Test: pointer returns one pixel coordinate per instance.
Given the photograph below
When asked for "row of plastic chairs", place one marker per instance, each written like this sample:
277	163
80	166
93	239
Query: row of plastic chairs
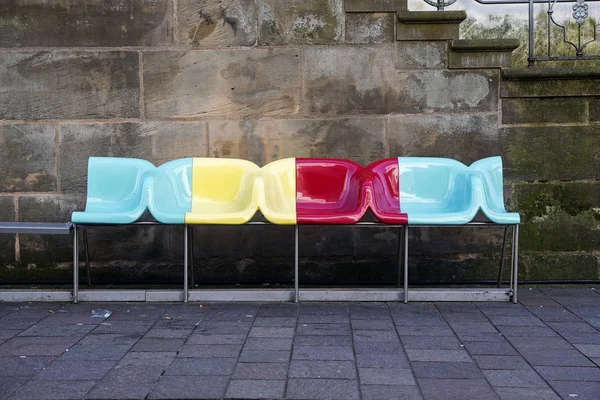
404	190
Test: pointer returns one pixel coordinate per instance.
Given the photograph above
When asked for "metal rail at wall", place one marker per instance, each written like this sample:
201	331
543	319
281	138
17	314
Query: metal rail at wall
580	14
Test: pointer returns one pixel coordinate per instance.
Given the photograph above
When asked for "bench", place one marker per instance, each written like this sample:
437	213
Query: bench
404	192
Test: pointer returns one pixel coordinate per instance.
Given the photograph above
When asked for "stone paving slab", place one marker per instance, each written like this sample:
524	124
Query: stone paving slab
547	348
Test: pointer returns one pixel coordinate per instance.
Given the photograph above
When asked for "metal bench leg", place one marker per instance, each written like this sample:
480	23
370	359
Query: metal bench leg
400	253
406	263
75	266
185	263
86	250
515	260
192	281
502	257
296	266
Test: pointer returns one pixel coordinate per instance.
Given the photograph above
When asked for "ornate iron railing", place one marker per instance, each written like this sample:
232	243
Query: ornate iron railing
580	15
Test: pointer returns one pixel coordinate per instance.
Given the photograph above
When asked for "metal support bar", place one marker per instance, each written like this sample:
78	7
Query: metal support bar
406	263
502	257
296	266
515	261
400	258
185	263
192	281
86	250
75	265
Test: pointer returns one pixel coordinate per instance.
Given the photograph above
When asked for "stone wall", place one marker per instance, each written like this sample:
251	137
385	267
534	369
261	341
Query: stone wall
266	79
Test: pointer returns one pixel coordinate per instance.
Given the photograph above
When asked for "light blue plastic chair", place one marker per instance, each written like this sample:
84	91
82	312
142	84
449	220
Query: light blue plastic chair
441	191
171	191
116	191
121	189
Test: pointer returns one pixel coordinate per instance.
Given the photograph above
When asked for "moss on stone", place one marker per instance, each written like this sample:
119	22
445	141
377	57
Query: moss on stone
553	152
558	266
559	216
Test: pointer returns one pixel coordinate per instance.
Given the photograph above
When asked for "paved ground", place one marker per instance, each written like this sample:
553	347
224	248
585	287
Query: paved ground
546	348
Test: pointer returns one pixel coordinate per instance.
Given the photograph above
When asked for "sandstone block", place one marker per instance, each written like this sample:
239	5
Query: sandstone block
552	152
364	6
373	80
245	83
483	53
429	25
65	85
217	23
370	28
544	110
27	158
27	23
300	22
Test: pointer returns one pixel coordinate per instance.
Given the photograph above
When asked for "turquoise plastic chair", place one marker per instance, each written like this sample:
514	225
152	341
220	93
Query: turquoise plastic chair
171	191
441	191
117	191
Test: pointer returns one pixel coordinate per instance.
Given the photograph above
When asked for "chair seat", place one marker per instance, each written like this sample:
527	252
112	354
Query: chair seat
121	189
333	191
231	191
116	191
440	191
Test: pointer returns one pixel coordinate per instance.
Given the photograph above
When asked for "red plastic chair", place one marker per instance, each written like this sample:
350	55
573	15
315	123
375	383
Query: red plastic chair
333	191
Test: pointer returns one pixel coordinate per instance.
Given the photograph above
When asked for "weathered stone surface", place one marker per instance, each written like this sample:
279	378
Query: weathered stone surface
370	28
544	110
300	22
27	158
552	152
558	216
550	82
466	138
157	142
349	80
7	242
383	242
550	88
47	249
217	23
358	139
365	6
50	256
26	23
246	83
429	25
483	53
60	85
557	265
454	267
594	105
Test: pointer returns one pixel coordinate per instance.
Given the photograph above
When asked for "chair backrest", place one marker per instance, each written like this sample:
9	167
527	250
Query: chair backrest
116	183
386	190
433	184
327	184
278	197
172	191
490	171
219	182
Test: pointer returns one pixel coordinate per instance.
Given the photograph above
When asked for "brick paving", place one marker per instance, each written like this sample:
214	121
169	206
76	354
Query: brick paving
547	347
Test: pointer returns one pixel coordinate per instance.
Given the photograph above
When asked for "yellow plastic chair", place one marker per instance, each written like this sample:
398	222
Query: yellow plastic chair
230	191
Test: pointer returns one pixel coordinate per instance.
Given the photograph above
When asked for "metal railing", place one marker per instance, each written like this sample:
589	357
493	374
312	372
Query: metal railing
577	40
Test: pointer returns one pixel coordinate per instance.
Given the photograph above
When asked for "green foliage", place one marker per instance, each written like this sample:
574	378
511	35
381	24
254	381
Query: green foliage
506	26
